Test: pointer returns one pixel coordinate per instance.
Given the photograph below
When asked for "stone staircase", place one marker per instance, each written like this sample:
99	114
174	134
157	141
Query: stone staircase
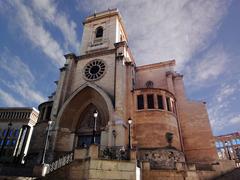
95	169
232	175
17	170
87	164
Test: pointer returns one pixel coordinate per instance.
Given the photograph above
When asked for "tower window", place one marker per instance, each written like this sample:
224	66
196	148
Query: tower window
140	102
48	114
99	32
160	102
168	104
42	113
150	101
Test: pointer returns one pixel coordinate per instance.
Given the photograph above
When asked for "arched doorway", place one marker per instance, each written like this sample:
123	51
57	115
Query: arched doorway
85	128
75	126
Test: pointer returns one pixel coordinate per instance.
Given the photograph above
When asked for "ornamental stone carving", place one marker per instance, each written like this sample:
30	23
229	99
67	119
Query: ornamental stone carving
162	158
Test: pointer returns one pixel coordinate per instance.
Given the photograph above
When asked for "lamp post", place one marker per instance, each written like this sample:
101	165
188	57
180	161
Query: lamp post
95	115
229	156
46	142
5	138
129	133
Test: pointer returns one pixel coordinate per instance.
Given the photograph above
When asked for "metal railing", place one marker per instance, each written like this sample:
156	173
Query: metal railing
60	162
114	153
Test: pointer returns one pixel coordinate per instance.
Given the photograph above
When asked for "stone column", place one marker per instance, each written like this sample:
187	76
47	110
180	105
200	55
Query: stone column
170	81
93	151
164	101
233	150
225	150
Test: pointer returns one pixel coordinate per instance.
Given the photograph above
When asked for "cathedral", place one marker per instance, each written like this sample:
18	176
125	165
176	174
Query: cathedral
112	119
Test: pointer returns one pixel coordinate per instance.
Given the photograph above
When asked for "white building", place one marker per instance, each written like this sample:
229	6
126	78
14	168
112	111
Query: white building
16	127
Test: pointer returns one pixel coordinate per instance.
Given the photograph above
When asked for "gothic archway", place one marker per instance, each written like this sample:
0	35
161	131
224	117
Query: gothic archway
76	116
85	126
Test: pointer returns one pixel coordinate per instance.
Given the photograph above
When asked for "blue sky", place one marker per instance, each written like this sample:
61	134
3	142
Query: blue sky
202	36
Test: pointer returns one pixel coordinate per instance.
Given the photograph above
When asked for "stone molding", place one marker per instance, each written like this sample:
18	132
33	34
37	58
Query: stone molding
156	65
96	54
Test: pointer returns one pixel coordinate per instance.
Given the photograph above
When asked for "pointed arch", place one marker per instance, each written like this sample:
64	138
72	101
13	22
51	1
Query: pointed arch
69	114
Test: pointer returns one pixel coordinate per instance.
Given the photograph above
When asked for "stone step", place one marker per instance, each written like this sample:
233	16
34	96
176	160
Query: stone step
109	169
15	170
232	175
96	169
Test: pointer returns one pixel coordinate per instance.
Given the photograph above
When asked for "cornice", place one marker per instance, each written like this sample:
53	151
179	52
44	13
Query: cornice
70	56
156	65
96	54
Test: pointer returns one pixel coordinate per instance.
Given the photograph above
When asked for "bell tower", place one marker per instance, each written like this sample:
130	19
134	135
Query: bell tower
101	31
99	79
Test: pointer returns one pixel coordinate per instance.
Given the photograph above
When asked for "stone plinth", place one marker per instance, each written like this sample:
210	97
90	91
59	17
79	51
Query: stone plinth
93	151
180	166
40	170
146	165
133	155
80	153
191	167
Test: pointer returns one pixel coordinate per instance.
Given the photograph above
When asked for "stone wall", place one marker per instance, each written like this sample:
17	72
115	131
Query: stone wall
88	165
199	144
161	175
198	141
155	73
151	127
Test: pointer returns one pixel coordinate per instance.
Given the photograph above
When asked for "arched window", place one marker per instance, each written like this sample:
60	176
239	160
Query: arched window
99	32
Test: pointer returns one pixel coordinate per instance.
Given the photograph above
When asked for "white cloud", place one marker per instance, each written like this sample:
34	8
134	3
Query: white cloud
15	67
49	11
35	32
208	67
235	120
22	78
225	92
162	30
221	114
26	90
9	100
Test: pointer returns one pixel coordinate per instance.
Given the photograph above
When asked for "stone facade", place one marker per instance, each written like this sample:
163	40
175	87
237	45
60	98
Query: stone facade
168	132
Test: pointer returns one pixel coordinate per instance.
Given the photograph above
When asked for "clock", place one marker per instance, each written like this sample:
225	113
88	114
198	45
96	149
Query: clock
94	70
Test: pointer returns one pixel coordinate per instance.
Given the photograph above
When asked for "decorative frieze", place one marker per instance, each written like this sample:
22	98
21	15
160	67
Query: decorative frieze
162	158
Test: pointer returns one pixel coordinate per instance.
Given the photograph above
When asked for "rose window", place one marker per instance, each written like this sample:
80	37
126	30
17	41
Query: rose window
94	69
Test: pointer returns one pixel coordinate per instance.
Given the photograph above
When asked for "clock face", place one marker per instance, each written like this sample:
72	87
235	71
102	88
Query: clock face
94	70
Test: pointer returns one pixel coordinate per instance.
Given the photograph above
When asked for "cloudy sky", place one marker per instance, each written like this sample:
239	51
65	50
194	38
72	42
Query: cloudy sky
202	36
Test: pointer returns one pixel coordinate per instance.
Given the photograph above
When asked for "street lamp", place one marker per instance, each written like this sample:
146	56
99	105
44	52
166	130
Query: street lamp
95	115
129	132
46	142
5	138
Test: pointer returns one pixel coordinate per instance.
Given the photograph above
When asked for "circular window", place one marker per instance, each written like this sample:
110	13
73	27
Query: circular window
149	84
94	69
